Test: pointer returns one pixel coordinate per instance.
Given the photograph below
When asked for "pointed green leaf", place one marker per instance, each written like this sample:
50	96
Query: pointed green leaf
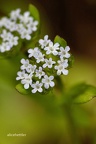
88	95
81	93
60	40
20	89
34	12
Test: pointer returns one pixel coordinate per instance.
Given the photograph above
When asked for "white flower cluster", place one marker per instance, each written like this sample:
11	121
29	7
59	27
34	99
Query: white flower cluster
45	61
19	24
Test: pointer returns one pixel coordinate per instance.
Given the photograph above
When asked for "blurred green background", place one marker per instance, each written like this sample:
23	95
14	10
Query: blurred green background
38	116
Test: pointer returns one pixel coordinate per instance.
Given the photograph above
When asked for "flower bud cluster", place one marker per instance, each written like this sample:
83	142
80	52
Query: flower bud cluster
16	26
44	63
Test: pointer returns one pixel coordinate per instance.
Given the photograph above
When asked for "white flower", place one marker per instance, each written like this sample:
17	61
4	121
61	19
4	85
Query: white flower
33	52
39	76
40	57
4	47
64	52
25	64
32	26
26	18
25	34
9	39
13	41
63	62
52	48
27	81
4	22
61	68
39	73
11	26
21	75
44	42
48	63
37	87
20	28
6	35
15	14
31	68
48	81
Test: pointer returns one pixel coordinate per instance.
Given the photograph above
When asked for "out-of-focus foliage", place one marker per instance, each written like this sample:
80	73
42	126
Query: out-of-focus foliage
40	116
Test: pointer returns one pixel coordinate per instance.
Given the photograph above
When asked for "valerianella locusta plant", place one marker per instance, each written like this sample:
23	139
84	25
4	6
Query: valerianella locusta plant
45	62
42	61
16	29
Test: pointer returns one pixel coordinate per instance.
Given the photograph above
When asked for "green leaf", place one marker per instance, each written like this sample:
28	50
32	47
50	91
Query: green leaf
60	40
81	93
34	12
20	89
35	36
71	61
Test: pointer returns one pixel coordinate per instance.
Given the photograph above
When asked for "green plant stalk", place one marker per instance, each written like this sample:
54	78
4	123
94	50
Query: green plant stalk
72	127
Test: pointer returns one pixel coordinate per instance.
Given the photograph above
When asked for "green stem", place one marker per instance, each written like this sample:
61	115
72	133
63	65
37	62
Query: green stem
72	127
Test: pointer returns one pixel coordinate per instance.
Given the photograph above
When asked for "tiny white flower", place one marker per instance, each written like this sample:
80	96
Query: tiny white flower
4	47
6	35
44	42
25	18
15	14
48	63
33	52
25	34
21	75
32	26
4	22
64	52
11	26
63	62
52	48
39	73
37	87
61	67
40	57
13	41
31	68
27	81
20	27
48	81
25	64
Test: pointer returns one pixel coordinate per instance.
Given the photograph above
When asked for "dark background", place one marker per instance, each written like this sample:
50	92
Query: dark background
75	20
